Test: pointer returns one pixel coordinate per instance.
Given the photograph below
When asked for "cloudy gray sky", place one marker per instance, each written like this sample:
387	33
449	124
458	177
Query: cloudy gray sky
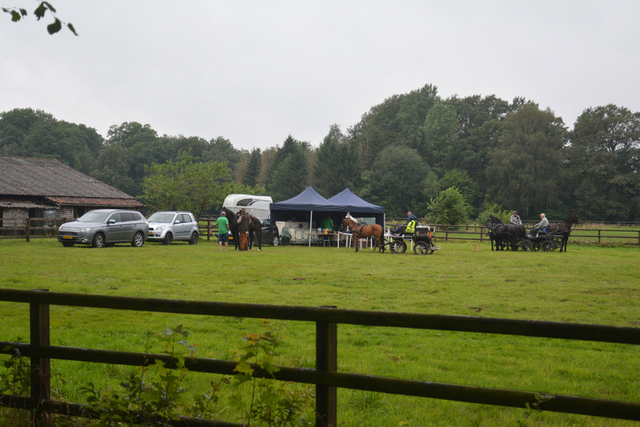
257	71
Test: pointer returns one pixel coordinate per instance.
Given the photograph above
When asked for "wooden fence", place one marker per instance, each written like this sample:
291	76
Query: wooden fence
578	235
48	227
325	376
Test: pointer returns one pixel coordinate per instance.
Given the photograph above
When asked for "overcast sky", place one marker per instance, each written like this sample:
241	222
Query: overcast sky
256	71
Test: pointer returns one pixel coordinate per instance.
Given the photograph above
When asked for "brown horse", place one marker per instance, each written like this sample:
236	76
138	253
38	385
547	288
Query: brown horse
359	230
565	229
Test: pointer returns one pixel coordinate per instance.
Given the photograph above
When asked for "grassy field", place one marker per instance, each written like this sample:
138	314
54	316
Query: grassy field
589	284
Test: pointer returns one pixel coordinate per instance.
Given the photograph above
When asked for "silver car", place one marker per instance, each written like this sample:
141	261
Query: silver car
104	227
167	226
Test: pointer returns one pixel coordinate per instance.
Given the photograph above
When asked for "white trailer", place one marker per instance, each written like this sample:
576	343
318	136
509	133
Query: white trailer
258	206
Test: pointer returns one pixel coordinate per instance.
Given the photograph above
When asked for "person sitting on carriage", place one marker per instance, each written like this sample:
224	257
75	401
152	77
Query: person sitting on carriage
403	228
515	218
542	225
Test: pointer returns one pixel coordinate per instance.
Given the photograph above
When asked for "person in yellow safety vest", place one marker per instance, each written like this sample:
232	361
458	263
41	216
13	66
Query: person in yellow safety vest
410	228
402	228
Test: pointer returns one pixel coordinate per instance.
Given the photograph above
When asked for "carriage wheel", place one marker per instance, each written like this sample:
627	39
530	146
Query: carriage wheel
536	246
422	248
548	246
526	246
398	247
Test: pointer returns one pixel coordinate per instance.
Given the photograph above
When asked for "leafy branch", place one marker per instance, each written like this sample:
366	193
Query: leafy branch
18	13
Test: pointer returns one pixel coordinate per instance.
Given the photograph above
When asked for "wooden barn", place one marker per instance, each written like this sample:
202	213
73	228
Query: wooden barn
46	188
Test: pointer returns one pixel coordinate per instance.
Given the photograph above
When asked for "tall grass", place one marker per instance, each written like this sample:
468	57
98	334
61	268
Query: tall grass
588	285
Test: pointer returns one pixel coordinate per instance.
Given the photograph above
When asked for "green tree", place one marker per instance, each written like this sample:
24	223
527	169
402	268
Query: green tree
29	133
290	179
394	181
185	185
142	147
479	129
112	167
337	165
603	157
396	121
525	169
221	150
449	208
288	172
463	182
252	172
439	136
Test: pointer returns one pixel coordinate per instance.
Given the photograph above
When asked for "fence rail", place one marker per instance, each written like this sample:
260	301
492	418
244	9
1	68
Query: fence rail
581	235
48	227
325	376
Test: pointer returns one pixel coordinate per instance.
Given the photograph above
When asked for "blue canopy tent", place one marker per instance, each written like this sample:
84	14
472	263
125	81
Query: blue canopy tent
303	206
298	207
358	207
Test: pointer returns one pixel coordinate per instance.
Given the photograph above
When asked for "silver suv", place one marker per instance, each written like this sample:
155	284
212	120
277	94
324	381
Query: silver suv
104	227
167	226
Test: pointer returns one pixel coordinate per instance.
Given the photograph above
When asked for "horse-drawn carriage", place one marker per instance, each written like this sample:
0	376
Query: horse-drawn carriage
421	241
546	242
419	237
514	236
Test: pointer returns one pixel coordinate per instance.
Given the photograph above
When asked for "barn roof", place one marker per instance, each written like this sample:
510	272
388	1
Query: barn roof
48	178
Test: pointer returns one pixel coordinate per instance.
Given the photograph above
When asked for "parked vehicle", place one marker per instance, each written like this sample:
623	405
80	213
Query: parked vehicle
167	226
270	235
104	227
258	206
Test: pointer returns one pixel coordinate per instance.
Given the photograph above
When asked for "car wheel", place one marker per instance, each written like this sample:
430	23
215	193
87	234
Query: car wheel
67	244
194	239
168	238
138	240
275	241
98	240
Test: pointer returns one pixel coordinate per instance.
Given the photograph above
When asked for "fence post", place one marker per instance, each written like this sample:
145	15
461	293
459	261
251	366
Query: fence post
28	229
208	229
481	233
326	360
598	236
446	234
40	367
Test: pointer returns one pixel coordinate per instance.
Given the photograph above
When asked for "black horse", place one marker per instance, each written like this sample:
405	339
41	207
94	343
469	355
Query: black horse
233	225
565	229
496	232
504	235
255	229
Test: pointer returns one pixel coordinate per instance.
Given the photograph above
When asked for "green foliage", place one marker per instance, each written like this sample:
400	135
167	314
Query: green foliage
450	208
503	215
252	172
440	135
16	377
337	165
18	13
271	403
154	394
604	158
287	176
185	185
393	180
526	168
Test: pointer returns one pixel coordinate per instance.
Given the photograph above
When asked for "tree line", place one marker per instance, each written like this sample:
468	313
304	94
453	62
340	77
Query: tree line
415	151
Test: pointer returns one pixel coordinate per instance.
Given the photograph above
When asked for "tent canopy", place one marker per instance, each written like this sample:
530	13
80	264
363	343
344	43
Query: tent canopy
354	203
309	200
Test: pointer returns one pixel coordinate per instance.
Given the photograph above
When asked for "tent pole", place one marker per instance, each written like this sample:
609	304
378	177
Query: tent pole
310	227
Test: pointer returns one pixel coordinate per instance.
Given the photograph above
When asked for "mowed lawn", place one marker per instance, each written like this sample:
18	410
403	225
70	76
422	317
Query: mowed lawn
589	284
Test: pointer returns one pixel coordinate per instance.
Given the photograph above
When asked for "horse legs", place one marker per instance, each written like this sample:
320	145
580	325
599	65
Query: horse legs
356	237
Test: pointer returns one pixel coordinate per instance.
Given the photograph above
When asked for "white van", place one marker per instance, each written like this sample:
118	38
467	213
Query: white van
258	206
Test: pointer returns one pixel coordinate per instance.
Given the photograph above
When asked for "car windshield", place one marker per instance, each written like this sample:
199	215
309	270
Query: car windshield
94	217
161	217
